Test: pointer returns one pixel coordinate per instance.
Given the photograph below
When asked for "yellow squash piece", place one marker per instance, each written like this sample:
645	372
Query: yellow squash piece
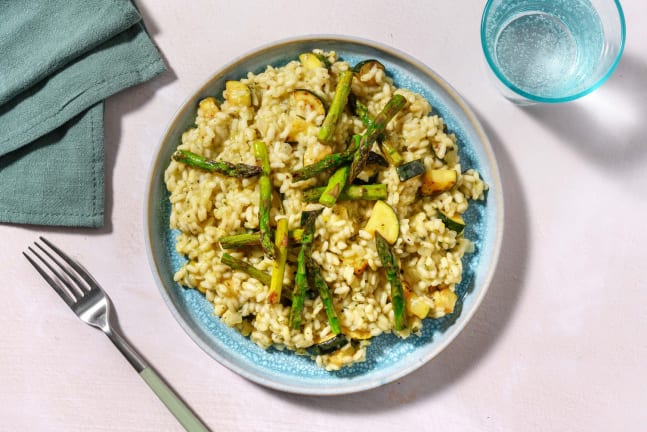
384	220
438	180
311	61
238	93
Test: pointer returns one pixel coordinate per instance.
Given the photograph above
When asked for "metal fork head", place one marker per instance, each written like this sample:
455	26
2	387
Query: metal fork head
72	282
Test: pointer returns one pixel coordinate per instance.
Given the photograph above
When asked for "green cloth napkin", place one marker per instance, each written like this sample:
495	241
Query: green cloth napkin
60	60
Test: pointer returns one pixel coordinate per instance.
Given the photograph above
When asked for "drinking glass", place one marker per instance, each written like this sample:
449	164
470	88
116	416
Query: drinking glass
550	51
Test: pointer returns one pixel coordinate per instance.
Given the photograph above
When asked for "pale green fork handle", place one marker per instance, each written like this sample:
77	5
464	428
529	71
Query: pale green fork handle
181	412
174	404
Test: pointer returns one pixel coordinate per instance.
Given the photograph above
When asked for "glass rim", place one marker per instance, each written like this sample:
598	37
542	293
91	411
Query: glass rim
535	98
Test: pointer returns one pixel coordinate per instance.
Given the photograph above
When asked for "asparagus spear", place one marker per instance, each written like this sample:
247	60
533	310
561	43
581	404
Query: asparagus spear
226	168
350	193
327	129
390	152
241	265
395	104
362	112
390	264
238	241
265	202
336	184
334	160
278	269
324	293
301	277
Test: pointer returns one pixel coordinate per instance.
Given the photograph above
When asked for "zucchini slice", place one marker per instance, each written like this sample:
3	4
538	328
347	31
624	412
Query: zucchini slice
454	223
238	93
438	180
384	220
330	345
305	101
410	170
312	61
364	67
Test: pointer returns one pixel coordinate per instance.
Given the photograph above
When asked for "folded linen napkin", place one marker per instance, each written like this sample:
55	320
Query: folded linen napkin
60	59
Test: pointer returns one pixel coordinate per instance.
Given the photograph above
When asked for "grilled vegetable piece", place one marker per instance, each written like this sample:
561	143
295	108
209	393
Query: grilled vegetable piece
328	346
336	184
395	104
265	199
238	93
438	180
301	277
208	107
278	268
370	192
410	170
221	167
305	100
311	61
362	112
245	267
237	241
383	221
334	160
324	293
339	100
390	153
454	223
365	67
444	300
390	264
417	306
376	159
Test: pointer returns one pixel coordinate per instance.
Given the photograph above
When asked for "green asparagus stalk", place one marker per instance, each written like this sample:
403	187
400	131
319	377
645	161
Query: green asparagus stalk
324	293
301	277
221	167
390	264
278	269
327	129
369	192
336	184
265	201
245	267
392	107
362	112
299	292
334	160
390	152
238	241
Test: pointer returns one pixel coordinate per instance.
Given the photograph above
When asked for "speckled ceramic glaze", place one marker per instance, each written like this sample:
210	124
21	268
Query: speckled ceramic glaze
388	357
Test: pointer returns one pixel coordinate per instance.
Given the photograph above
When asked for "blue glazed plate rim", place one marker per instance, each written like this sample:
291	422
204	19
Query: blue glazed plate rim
299	377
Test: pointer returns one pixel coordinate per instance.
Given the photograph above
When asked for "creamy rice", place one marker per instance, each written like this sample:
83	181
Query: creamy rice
207	206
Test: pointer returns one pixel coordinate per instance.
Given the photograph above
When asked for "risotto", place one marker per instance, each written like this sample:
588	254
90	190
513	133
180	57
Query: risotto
323	287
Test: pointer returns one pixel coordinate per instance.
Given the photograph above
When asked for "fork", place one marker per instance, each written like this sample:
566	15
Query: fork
89	302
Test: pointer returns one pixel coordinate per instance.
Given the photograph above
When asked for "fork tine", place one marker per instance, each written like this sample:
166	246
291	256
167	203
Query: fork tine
91	282
67	298
77	287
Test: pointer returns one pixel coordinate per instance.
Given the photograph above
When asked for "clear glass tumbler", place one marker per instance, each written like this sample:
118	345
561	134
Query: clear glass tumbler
551	51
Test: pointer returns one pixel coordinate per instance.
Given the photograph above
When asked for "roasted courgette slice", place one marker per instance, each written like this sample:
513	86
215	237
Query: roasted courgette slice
384	220
454	223
438	180
410	170
364	67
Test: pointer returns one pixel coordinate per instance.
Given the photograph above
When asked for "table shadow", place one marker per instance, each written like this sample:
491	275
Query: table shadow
479	336
608	126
